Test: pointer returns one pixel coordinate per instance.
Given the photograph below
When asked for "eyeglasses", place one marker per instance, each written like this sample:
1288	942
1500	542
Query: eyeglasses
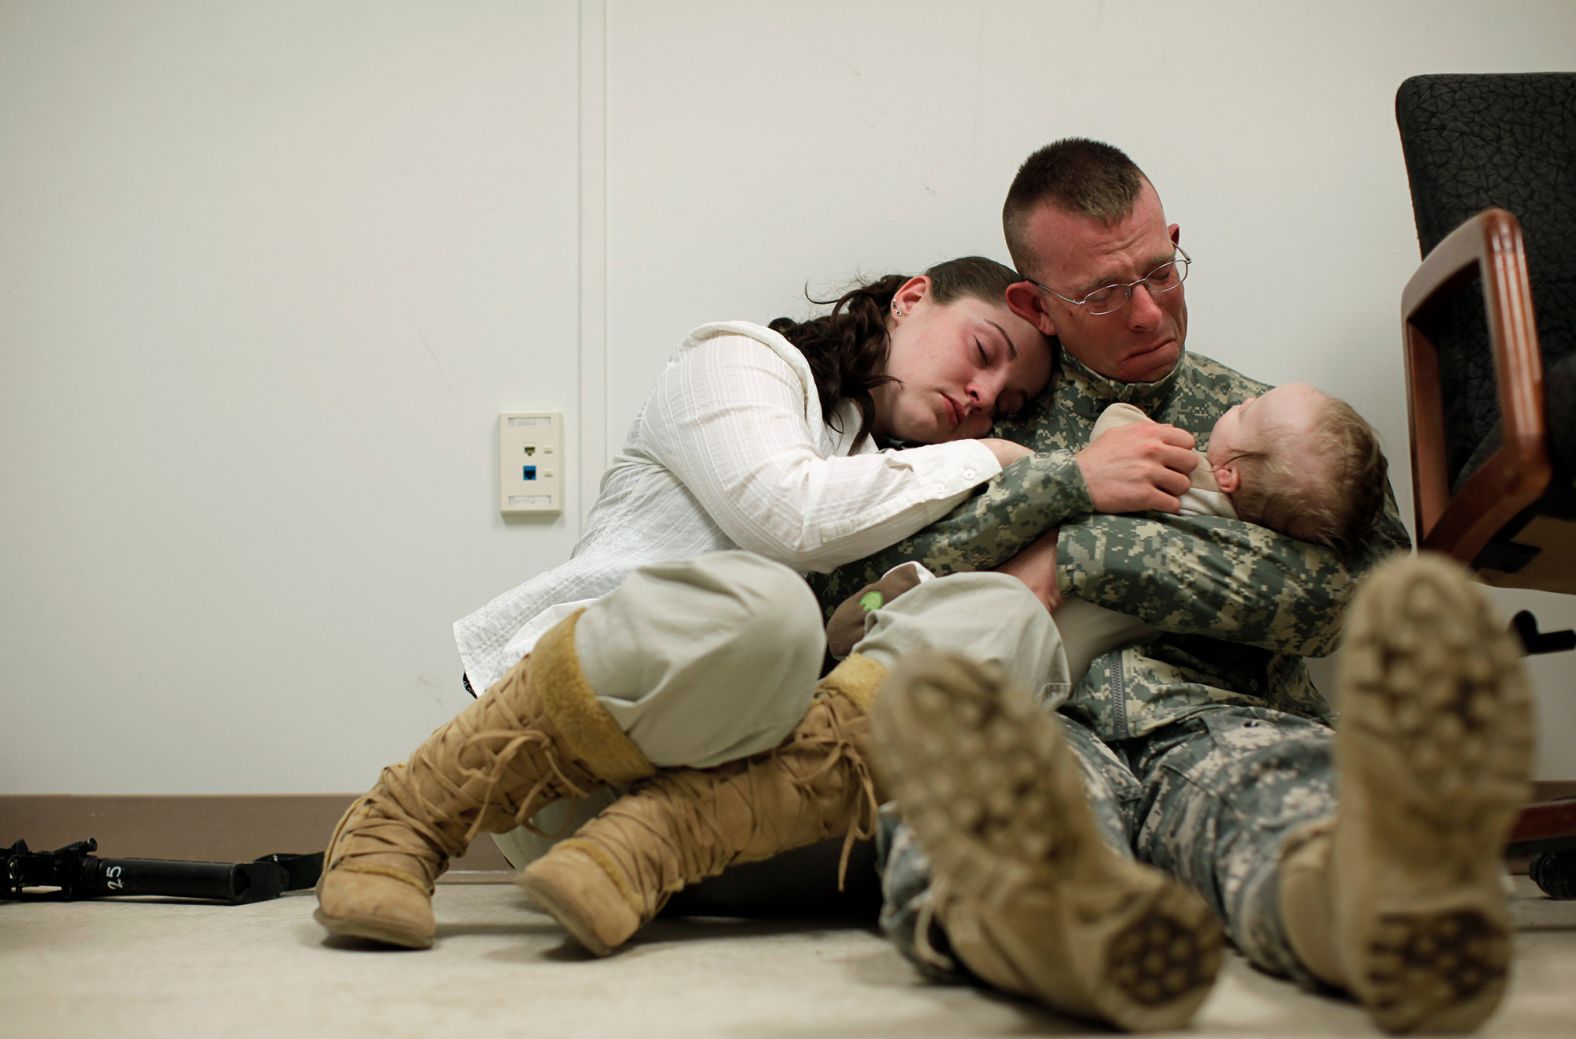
1108	299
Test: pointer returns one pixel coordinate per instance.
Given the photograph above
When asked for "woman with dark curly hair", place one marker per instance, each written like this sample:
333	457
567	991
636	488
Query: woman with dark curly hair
681	633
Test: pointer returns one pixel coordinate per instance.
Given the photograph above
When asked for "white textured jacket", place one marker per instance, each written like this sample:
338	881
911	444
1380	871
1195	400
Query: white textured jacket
730	451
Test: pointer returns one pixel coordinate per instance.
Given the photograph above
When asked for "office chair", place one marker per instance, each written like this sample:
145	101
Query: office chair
1489	333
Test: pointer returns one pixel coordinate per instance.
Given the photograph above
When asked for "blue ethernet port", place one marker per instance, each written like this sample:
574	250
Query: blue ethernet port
529	473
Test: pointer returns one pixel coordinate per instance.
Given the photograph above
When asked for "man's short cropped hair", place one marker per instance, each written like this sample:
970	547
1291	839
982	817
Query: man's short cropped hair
1077	175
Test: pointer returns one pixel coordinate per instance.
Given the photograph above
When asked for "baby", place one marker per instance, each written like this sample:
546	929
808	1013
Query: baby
1295	460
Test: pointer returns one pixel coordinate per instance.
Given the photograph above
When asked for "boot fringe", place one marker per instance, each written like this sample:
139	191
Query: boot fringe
857	678
394	808
392	874
684	824
552	784
842	752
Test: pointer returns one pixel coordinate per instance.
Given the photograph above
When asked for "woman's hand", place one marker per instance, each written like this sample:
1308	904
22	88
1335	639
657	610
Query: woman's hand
1035	566
1006	451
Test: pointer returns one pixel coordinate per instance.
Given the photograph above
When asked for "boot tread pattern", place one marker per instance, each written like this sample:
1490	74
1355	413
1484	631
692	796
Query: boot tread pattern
1439	961
1439	693
997	800
1159	959
1434	756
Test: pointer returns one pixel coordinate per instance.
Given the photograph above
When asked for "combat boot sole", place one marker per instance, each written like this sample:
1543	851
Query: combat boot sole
985	778
1433	759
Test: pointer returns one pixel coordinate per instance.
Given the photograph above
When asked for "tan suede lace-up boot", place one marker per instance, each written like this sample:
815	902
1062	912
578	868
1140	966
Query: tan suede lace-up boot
1399	899
1027	892
537	735
684	825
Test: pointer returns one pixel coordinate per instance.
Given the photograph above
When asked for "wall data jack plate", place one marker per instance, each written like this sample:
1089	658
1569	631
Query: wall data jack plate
530	462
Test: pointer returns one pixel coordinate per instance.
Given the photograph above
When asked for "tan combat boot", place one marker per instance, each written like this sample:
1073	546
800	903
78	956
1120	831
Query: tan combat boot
1028	893
684	825
1400	901
537	735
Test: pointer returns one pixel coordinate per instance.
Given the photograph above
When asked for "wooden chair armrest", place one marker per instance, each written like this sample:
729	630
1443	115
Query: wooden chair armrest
1490	243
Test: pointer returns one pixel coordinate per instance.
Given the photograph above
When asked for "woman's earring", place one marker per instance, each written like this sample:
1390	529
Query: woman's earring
896	310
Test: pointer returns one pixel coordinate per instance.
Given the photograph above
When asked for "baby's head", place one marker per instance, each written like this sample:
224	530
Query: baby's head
1299	461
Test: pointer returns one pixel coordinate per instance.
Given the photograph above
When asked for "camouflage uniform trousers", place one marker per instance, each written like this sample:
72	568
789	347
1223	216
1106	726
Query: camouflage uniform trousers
1209	799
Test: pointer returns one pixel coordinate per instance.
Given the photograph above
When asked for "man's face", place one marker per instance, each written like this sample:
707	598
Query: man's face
1075	255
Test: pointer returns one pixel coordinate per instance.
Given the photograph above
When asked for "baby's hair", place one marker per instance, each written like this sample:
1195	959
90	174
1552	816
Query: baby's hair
1337	500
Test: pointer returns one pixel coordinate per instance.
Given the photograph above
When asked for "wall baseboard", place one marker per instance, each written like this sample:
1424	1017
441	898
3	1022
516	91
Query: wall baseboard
242	827
204	828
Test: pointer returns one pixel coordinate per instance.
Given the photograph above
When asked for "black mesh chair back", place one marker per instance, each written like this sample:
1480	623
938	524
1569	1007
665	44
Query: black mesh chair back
1506	141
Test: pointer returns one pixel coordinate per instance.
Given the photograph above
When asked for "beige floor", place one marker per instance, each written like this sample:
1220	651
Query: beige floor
128	969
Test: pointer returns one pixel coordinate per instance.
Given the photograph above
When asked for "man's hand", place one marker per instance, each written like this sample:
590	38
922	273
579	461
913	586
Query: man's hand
1139	467
1035	566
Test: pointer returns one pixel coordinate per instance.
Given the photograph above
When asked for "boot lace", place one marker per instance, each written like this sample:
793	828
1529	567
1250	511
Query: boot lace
688	824
487	770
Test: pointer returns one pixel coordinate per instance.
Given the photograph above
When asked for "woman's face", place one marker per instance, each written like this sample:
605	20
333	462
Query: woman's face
959	366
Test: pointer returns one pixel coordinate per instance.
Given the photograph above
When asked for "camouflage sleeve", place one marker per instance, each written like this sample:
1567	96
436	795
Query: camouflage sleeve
1029	496
1218	577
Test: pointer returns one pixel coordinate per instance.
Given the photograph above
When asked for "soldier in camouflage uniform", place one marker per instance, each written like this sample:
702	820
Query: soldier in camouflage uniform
1206	753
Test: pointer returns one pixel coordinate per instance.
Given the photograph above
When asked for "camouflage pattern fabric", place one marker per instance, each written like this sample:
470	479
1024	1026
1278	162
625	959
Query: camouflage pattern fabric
1239	604
1202	748
1209	800
905	900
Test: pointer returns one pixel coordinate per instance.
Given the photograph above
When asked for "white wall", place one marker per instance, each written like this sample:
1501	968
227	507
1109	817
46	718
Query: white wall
270	271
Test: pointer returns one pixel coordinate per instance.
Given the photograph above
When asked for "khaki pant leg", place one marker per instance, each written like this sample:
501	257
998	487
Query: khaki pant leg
705	660
988	617
700	662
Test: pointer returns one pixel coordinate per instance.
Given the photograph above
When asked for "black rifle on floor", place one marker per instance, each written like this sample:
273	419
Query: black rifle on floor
76	873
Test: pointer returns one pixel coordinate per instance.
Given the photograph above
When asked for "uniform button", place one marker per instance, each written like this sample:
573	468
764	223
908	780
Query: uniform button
969	472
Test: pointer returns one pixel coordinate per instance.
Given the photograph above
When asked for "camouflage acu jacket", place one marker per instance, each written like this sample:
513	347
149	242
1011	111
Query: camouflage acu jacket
1239	605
